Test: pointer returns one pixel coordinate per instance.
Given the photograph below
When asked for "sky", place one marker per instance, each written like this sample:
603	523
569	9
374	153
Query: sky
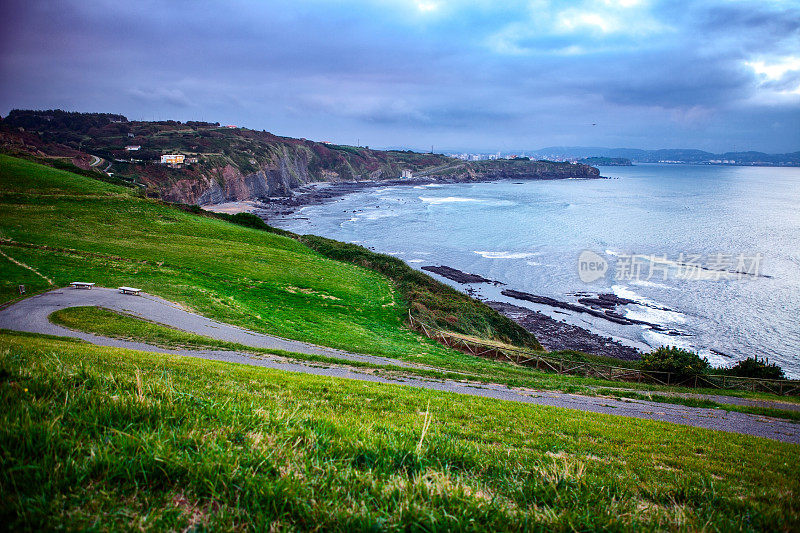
480	75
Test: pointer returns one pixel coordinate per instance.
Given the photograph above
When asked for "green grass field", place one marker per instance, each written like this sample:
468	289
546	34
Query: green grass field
108	439
65	227
57	227
68	227
126	327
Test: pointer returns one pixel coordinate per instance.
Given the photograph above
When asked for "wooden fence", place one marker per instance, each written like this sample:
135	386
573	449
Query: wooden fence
546	362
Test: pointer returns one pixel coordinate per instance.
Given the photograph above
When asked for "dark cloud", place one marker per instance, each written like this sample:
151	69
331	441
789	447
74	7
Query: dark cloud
466	75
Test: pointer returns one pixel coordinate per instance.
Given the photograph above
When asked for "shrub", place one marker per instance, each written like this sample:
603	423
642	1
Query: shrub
681	363
753	367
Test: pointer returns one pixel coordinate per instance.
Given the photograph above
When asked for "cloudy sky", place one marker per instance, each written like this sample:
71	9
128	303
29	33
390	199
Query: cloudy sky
472	75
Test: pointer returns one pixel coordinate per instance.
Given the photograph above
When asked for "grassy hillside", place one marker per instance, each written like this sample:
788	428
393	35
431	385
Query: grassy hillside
222	153
230	163
59	227
101	438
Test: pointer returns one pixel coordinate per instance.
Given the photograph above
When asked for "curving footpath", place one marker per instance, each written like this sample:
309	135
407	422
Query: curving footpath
31	315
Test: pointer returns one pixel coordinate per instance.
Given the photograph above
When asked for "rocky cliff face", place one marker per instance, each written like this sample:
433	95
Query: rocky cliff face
234	164
278	175
290	171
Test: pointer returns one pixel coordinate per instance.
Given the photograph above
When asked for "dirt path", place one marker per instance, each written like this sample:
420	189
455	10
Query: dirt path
31	315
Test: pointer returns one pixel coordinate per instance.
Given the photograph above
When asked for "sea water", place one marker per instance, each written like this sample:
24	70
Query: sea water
709	252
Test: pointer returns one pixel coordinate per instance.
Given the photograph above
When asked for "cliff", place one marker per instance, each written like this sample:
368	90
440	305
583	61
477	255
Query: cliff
226	163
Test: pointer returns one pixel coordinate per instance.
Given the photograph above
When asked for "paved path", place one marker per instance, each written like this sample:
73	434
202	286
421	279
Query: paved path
31	315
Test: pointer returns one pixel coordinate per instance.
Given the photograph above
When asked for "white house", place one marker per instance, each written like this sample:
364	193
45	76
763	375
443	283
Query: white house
172	159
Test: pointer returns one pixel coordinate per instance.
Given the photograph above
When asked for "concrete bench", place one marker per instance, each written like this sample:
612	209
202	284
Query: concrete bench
129	290
81	285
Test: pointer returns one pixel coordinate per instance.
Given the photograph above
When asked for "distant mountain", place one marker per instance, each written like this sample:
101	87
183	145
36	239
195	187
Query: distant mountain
606	161
670	155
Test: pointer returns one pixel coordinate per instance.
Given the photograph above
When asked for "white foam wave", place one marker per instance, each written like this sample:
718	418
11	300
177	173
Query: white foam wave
652	311
415	261
655	316
376	215
446	200
504	255
646	283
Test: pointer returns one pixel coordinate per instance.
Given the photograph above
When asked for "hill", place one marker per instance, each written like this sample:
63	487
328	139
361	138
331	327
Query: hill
226	163
65	227
606	161
203	444
673	155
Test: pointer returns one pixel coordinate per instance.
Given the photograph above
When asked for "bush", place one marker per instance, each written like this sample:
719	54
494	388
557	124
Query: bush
681	363
752	367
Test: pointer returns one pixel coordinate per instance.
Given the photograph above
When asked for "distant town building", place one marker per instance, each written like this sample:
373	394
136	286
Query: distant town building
172	159
133	148
190	160
231	126
406	173
131	135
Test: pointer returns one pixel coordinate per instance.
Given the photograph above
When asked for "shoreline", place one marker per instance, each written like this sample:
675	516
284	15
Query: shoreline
317	193
552	333
322	192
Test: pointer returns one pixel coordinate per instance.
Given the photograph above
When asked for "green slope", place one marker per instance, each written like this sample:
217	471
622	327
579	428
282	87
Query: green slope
99	438
67	227
76	228
107	439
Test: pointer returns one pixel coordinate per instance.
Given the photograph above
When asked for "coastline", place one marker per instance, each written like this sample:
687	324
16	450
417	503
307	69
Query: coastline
554	333
275	208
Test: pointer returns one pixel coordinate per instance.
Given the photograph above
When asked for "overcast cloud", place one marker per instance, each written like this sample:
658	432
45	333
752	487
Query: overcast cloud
473	75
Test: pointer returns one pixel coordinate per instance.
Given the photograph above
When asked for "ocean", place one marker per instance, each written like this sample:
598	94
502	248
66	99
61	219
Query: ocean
710	253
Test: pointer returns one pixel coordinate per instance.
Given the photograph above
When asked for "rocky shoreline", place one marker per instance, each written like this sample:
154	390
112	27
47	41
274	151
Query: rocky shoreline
318	193
551	333
600	306
459	276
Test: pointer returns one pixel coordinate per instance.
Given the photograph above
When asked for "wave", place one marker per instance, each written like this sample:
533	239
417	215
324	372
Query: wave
647	310
646	283
505	255
488	202
447	199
